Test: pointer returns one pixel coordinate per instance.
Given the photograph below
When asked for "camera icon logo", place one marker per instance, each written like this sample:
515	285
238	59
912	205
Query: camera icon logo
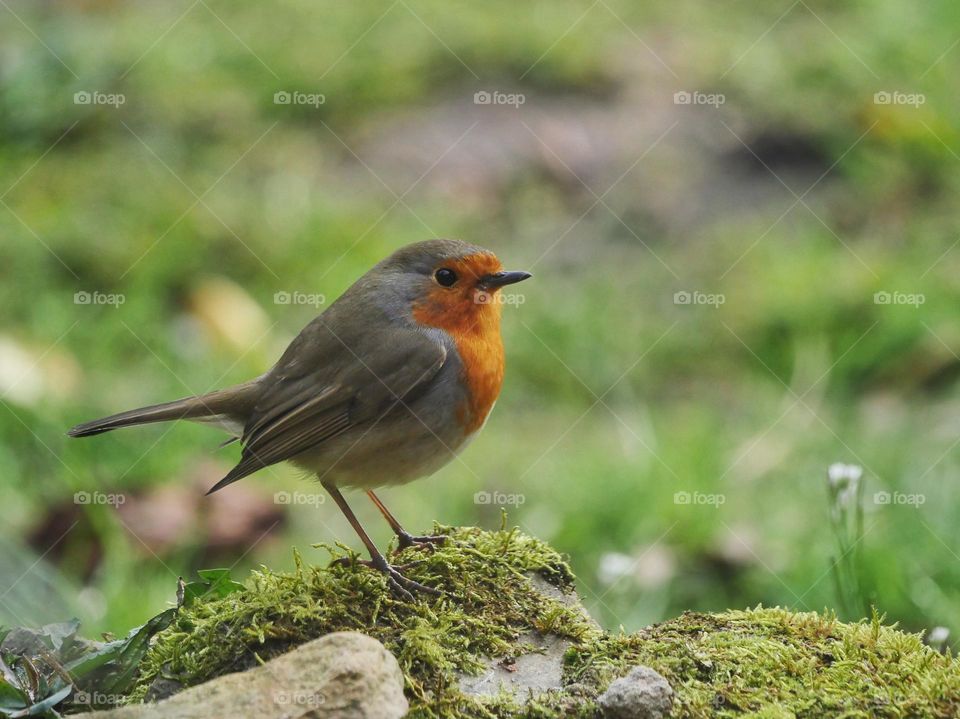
882	498
281	298
282	498
282	97
681	498
82	98
482	498
682	97
882	98
482	97
82	298
682	298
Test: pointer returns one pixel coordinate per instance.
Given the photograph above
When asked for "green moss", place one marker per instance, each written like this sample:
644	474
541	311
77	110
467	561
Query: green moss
776	663
760	663
491	602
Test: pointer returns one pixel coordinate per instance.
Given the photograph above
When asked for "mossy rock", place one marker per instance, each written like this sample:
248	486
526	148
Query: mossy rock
760	662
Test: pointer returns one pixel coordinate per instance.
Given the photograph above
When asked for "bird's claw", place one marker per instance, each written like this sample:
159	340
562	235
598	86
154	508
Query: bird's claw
400	584
405	587
348	561
430	540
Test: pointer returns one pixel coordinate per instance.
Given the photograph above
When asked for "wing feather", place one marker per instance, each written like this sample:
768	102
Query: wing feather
300	410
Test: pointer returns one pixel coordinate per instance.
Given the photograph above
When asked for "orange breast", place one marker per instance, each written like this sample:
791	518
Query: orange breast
475	329
483	364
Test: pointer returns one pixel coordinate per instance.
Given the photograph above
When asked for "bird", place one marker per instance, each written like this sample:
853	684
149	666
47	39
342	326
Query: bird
385	386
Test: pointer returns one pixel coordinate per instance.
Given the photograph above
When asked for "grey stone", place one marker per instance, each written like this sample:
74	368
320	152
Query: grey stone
345	675
642	694
535	672
162	688
538	670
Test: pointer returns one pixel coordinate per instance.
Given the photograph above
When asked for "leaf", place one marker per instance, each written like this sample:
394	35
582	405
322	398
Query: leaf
32	676
42	707
109	668
217	584
11	697
83	665
133	648
60	633
9	675
51	637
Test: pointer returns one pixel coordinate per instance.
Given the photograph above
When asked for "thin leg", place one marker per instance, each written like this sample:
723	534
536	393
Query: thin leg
405	539
397	581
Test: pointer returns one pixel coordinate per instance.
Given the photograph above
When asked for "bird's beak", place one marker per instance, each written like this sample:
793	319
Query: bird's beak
501	279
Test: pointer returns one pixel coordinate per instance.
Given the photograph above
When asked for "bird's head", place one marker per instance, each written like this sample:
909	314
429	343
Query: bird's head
451	284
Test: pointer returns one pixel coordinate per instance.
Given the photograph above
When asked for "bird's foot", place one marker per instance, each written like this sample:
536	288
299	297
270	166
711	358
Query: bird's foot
405	540
398	583
348	561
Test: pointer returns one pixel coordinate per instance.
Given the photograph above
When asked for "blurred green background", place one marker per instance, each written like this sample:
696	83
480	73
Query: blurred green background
792	168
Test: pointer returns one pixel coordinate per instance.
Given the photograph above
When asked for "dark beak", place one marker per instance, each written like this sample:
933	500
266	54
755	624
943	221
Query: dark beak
501	279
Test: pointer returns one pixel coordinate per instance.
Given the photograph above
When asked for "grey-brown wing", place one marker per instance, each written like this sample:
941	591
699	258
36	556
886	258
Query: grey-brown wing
300	409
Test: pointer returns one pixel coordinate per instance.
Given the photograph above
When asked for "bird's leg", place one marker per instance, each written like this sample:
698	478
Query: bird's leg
397	581
404	538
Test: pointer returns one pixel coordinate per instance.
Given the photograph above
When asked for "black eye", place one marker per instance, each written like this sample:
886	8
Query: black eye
445	277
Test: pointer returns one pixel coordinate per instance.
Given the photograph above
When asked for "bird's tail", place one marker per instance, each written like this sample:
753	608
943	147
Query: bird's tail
228	407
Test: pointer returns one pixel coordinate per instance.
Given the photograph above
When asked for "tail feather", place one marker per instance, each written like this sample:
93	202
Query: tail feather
232	404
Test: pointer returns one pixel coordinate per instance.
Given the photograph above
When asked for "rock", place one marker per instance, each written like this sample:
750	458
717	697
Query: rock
534	673
538	671
642	694
344	675
162	688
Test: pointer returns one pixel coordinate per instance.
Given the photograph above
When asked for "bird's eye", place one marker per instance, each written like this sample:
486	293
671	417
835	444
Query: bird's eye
445	277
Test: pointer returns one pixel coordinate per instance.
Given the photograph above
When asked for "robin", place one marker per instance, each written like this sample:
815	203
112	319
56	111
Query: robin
385	386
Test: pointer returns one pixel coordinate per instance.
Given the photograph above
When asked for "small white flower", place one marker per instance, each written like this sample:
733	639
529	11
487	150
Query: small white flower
938	636
843	475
